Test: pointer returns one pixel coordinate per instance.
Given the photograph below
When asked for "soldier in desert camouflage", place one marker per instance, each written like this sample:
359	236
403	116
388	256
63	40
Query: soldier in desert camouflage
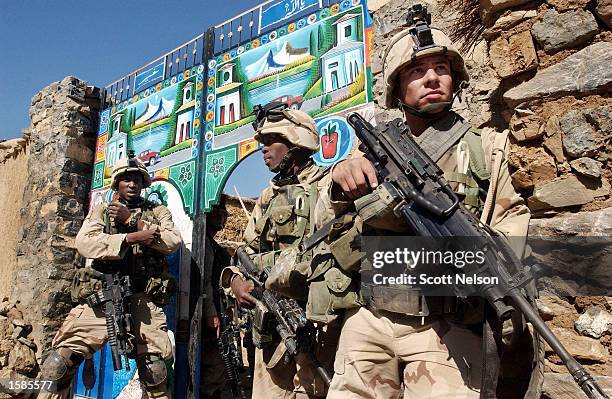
392	347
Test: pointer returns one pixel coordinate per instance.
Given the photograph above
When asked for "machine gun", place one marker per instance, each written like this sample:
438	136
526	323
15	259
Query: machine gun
426	202
284	315
115	300
230	346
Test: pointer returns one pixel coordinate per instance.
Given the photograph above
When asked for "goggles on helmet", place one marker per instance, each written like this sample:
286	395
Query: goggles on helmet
272	112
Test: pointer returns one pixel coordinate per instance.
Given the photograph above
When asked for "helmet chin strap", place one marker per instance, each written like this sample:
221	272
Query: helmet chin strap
431	111
286	162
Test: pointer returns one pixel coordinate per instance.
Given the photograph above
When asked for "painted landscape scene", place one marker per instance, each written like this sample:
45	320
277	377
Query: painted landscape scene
159	127
318	68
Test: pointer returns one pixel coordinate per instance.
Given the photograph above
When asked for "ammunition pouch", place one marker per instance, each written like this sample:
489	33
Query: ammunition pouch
263	324
85	282
160	288
332	289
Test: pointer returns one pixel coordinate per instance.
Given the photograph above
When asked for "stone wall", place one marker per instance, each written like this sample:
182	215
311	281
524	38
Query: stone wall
61	152
541	69
13	169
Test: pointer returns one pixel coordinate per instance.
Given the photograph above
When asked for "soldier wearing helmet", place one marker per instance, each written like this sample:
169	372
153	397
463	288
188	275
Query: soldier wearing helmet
401	342
285	213
130	236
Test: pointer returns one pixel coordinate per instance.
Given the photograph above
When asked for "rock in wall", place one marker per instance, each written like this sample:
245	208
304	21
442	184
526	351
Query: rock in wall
62	144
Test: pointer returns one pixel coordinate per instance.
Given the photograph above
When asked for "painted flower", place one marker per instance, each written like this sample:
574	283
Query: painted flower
197	113
208	146
146	93
255	43
136	97
201	67
324	13
185	175
291	27
210	106
282	32
199	85
301	23
312	18
233	53
247	46
208	136
211	81
240	50
217	168
210	98
199	77
356	2
273	35
187	74
158	87
180	77
209	116
173	80
113	110
198	104
226	57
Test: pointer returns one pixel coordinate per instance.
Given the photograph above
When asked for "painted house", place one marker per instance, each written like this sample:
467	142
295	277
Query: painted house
341	65
116	149
184	115
116	124
228	96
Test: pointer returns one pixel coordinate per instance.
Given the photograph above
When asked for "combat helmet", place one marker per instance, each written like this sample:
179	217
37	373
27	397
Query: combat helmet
417	41
129	164
297	127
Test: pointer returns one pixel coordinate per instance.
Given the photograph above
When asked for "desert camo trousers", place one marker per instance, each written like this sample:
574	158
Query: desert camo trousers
380	354
84	332
298	379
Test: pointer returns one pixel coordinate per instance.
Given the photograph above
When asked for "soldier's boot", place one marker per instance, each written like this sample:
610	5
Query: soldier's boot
153	375
59	368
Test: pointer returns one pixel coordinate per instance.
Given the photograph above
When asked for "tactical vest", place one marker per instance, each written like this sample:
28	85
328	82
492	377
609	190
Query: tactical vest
146	267
375	211
286	220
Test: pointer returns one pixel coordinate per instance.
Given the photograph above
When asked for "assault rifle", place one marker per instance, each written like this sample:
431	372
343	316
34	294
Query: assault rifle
284	315
430	208
115	300
230	346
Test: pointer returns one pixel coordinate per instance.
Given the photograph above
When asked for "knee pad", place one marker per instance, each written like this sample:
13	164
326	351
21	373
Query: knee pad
152	370
60	366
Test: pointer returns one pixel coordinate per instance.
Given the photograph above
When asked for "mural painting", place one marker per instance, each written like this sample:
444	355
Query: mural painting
317	64
162	126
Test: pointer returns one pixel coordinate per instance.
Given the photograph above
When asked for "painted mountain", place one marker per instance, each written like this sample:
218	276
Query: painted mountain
155	112
273	62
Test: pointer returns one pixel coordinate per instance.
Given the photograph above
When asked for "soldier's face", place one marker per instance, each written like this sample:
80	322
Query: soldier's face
274	150
426	82
130	186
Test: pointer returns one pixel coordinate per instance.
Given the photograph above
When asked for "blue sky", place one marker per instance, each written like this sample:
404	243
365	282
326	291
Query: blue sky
43	41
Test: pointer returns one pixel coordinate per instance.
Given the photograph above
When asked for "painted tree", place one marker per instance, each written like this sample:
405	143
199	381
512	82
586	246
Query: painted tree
246	107
313	44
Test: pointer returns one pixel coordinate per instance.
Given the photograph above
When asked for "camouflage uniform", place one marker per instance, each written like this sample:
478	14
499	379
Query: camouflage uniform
273	378
290	209
84	330
383	353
